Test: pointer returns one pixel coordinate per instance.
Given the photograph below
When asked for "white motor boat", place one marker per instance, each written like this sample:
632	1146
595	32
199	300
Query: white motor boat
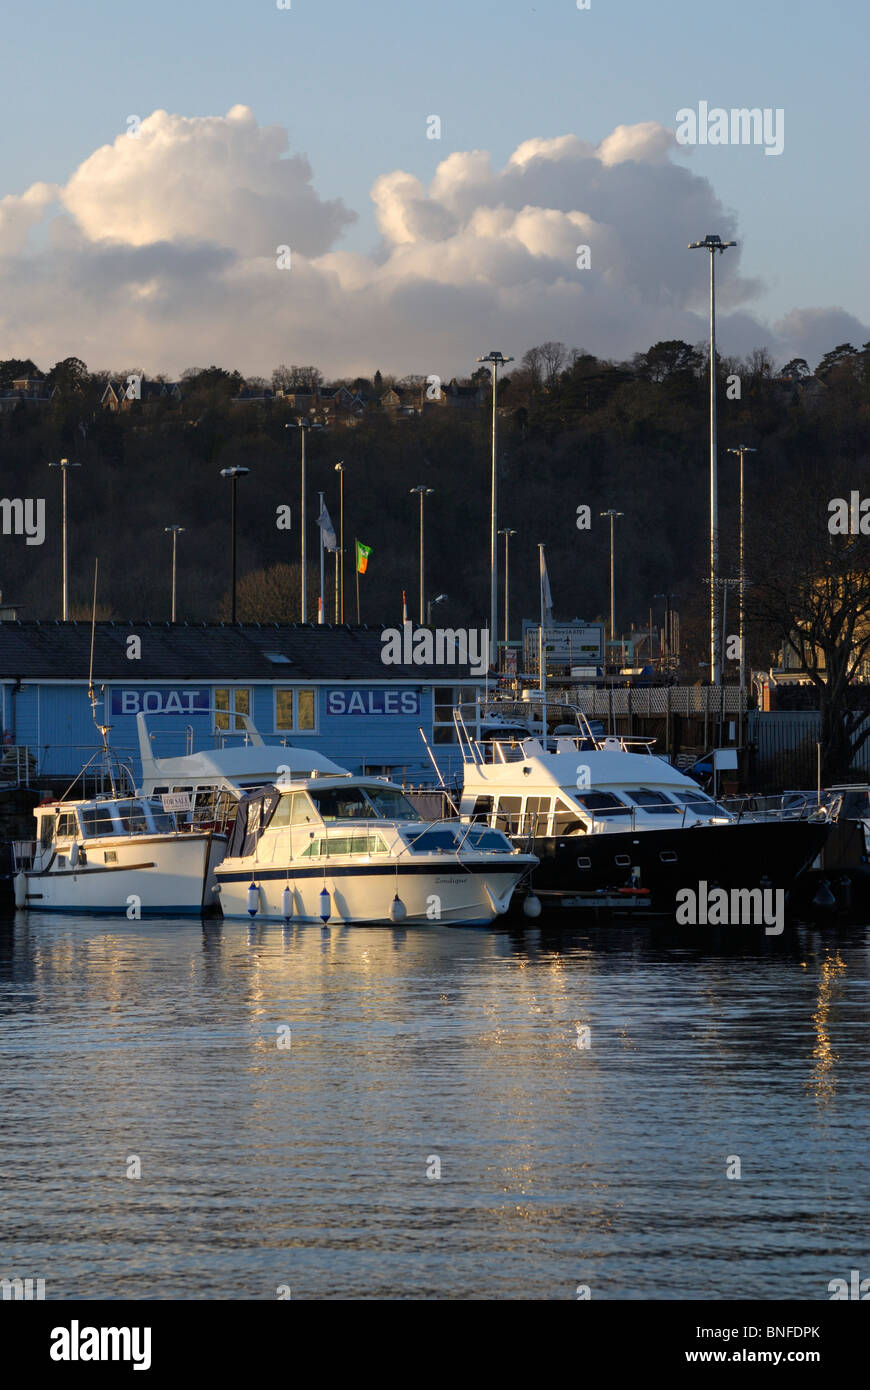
114	854
349	849
616	827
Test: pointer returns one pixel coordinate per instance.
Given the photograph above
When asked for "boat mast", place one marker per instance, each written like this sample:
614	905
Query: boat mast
102	729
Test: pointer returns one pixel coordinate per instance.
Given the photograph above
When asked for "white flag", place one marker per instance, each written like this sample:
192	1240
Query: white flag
327	529
546	596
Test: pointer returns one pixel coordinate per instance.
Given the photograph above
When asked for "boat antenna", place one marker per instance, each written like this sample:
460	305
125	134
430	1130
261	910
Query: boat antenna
102	729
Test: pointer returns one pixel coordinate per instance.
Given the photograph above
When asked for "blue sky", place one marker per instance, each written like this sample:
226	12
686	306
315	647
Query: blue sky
353	84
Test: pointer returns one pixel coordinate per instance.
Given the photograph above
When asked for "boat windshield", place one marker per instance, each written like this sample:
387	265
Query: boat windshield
362	803
699	803
653	802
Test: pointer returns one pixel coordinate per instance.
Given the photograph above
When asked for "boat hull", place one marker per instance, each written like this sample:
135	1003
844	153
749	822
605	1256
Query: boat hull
150	875
737	855
466	896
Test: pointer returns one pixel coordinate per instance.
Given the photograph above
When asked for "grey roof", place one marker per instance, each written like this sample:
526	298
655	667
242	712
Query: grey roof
35	650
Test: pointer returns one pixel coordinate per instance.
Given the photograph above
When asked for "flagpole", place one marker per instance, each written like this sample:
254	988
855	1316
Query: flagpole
356	567
321	616
337	553
542	660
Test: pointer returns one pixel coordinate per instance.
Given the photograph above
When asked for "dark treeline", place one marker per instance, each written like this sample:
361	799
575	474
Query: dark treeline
575	431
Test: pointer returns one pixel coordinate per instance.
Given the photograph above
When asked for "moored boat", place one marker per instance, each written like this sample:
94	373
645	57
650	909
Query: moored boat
116	854
354	850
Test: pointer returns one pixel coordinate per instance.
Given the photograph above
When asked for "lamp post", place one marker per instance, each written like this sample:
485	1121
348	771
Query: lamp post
422	491
439	598
234	474
713	244
302	425
175	532
613	515
339	468
497	360
507	532
64	465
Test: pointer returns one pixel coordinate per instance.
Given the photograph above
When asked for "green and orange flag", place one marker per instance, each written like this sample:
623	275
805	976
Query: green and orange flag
362	557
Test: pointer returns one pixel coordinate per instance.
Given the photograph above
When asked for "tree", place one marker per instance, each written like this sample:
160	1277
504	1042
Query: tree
812	589
669	358
269	595
797	367
837	357
69	377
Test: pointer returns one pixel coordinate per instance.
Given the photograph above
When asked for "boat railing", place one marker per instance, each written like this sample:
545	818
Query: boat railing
23	854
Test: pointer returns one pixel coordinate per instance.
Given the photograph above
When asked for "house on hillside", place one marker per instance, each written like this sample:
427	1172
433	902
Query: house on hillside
122	395
32	391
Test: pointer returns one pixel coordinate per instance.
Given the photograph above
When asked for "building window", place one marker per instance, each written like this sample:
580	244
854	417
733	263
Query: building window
447	697
295	710
229	703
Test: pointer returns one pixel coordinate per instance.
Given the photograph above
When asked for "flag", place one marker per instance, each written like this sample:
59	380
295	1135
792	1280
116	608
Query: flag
327	530
362	556
546	596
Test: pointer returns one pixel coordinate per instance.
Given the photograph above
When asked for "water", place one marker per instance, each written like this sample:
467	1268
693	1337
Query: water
306	1166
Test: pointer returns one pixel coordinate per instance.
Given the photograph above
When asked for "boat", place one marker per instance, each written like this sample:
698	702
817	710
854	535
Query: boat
351	849
616	827
215	778
120	854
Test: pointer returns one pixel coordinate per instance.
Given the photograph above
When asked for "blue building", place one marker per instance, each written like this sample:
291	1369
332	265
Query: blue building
325	686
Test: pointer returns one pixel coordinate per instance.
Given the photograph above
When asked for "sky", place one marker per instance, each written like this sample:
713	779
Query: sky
157	157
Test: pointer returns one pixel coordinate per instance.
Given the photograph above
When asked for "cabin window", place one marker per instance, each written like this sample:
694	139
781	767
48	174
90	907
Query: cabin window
653	802
66	825
302	812
433	840
482	808
567	820
132	817
294	709
603	804
230	702
281	816
47	832
537	814
508	814
97	820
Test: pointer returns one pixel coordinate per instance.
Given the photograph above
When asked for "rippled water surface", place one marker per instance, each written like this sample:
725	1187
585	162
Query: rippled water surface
308	1166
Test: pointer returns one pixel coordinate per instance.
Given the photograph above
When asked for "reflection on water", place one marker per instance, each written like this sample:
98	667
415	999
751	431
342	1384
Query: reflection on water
581	1089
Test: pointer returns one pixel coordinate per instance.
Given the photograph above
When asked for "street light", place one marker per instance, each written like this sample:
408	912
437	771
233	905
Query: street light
64	465
497	360
175	532
302	425
422	491
234	474
507	532
713	244
339	468
613	515
439	598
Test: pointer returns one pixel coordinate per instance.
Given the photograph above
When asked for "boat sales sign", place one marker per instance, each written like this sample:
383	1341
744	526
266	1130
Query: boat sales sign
159	699
350	700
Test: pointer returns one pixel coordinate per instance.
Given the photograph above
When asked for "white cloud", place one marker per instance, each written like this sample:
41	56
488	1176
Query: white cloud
163	252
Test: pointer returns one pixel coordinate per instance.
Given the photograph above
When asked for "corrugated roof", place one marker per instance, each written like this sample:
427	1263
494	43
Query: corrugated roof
242	652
